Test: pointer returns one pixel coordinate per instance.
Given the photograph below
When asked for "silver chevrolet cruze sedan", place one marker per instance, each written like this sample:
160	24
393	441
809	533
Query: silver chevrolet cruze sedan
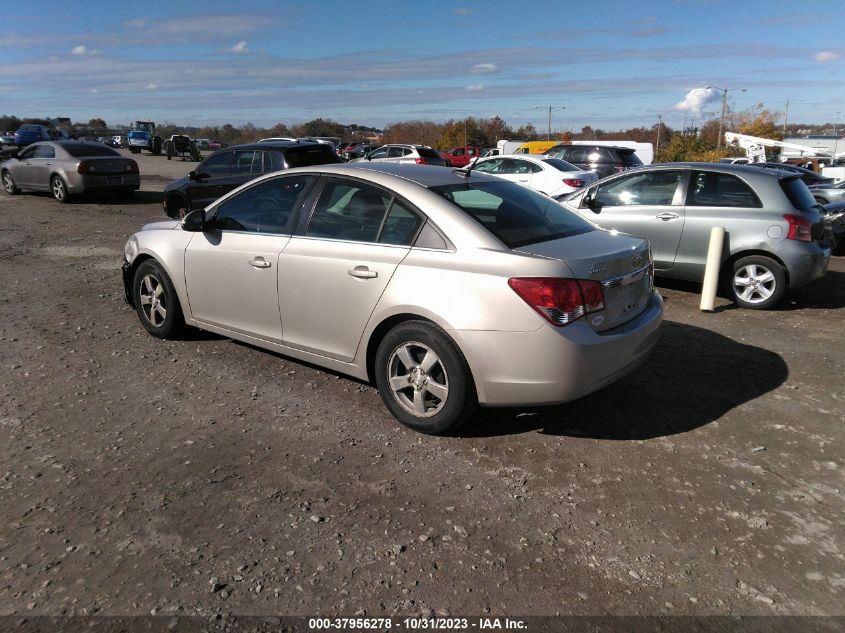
446	289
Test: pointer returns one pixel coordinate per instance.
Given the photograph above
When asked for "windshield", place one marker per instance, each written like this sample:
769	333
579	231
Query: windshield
515	215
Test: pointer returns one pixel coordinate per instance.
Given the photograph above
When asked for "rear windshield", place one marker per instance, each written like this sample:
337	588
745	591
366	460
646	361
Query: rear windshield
515	215
78	150
629	157
29	128
427	152
562	165
798	193
310	155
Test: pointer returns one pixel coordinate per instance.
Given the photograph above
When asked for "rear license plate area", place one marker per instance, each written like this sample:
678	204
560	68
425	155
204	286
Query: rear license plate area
114	180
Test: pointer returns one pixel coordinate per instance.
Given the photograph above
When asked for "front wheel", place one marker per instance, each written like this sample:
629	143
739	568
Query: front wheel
757	282
9	185
156	301
424	379
59	189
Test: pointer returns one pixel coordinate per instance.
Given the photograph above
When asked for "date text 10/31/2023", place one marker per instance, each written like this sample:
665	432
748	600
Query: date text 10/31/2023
417	624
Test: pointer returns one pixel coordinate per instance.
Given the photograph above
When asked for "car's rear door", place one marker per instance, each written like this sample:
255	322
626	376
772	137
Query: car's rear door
231	270
647	204
42	166
334	270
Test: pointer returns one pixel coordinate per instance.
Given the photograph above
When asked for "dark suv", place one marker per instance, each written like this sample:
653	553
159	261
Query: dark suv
604	160
231	167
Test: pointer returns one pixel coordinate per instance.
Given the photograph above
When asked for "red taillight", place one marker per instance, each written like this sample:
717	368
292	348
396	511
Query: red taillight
85	168
559	301
421	161
132	167
573	182
799	228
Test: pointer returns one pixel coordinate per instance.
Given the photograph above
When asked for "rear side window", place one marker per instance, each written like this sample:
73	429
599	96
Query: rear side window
400	227
308	155
798	194
395	152
516	215
711	189
78	150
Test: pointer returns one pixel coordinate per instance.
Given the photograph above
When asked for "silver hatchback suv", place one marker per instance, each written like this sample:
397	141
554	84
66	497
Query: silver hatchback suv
774	228
404	154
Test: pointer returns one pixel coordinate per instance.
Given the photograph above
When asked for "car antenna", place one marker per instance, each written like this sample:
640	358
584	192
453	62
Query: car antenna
465	172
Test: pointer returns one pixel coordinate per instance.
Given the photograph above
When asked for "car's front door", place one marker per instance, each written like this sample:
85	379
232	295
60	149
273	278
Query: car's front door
231	270
22	172
333	274
647	204
204	188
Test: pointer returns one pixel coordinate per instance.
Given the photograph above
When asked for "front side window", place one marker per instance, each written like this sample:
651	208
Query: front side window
217	165
711	189
45	151
517	216
349	210
653	188
268	207
27	153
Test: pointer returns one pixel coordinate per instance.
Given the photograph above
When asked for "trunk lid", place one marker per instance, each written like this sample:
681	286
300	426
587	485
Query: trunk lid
108	165
620	262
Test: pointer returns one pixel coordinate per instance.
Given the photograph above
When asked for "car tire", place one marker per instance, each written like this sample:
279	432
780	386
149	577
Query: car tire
58	187
820	200
156	301
757	282
440	393
9	185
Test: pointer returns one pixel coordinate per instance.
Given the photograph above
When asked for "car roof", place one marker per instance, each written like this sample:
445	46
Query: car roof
423	175
269	144
728	168
597	145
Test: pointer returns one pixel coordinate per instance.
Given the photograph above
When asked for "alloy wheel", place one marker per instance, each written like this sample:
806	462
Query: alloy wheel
418	379
754	283
153	302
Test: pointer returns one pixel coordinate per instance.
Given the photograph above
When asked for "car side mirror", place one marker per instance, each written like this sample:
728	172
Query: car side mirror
194	222
589	201
368	157
198	176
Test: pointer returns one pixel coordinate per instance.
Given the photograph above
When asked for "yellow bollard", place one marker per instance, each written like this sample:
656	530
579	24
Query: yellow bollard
711	268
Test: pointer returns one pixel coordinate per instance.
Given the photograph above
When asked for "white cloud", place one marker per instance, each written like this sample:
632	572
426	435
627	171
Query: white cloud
480	69
475	88
152	86
84	50
462	11
826	56
94	91
697	99
239	48
139	23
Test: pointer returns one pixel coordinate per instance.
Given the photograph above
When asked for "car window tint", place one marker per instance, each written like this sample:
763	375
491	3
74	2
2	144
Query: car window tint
273	161
217	165
395	152
307	155
427	152
348	211
27	153
379	153
576	155
711	189
517	216
489	166
562	165
508	166
268	207
244	162
654	188
45	151
401	225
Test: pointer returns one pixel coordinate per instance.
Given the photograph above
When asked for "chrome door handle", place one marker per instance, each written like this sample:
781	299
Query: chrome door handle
259	262
666	216
362	272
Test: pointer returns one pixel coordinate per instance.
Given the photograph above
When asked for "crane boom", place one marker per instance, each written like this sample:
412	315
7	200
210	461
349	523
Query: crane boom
755	146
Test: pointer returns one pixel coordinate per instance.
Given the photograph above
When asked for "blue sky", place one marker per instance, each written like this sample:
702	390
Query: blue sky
610	64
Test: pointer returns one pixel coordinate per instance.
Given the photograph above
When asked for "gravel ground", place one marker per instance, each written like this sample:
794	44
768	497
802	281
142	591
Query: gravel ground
205	476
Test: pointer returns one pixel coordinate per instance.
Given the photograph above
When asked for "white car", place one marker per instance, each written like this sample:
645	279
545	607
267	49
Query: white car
545	174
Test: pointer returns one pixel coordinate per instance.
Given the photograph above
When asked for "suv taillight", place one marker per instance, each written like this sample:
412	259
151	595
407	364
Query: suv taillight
560	301
421	161
800	228
573	182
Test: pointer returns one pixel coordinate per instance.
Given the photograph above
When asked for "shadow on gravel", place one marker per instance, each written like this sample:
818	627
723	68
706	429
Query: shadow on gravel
827	293
693	377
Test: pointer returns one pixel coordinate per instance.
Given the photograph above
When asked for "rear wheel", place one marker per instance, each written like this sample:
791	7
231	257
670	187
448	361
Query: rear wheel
9	185
424	378
156	301
59	189
757	282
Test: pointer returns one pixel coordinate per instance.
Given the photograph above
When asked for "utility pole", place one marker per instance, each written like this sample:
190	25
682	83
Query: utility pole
725	92
550	108
659	125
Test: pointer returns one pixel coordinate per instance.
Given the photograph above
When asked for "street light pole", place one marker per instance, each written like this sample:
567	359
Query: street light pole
725	92
550	108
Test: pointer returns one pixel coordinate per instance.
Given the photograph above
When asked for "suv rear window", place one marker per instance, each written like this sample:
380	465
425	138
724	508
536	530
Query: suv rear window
515	215
562	165
78	150
427	152
310	155
629	157
798	193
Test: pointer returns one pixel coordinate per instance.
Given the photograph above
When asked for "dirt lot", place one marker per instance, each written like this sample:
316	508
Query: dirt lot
137	473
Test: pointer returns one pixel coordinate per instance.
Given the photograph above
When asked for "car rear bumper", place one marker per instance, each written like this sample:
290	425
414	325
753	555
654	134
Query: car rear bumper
115	182
554	365
806	261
